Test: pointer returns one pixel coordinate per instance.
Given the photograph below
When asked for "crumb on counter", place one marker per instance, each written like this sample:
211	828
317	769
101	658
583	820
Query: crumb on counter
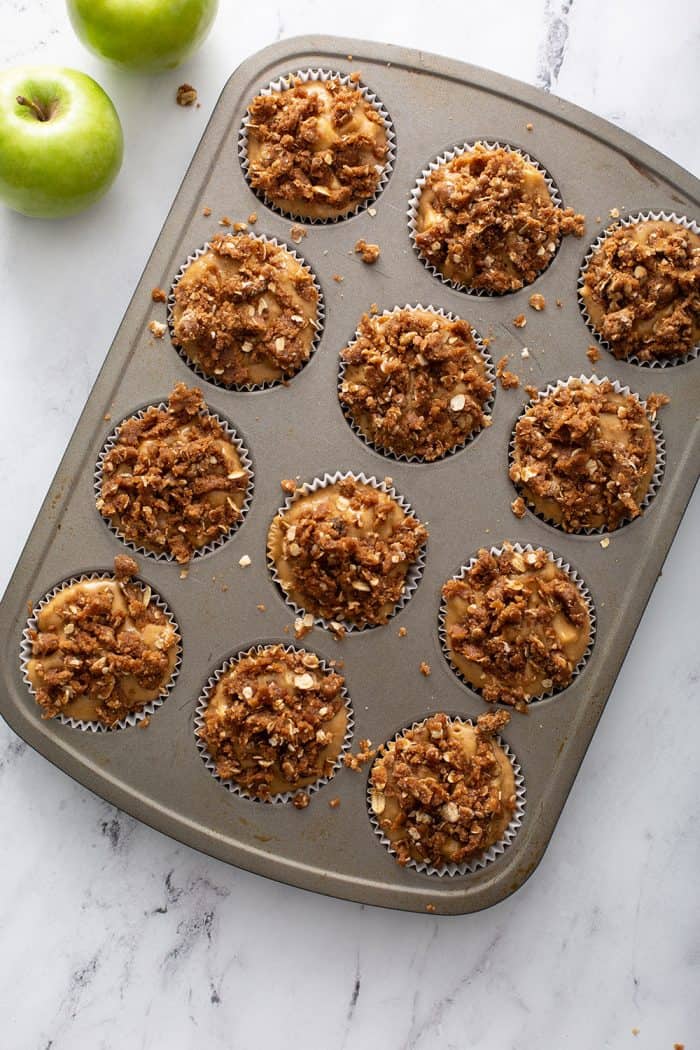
225	221
373	308
369	253
364	755
508	380
403	632
206	212
425	668
338	278
158	295
186	95
253	218
520	321
537	301
157	329
593	354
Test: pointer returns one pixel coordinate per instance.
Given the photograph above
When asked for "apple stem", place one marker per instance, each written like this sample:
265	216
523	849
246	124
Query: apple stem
36	109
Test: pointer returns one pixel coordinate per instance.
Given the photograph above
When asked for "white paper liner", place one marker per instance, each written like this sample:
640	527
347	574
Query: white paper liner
232	785
413	574
446	157
268	384
631	220
573	575
481	860
306	75
246	464
487	407
134	717
659	466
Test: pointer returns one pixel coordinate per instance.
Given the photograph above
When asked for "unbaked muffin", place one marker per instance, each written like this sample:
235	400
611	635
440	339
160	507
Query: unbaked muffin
486	220
316	149
173	481
275	721
102	649
343	552
245	311
584	456
516	625
415	383
641	290
444	791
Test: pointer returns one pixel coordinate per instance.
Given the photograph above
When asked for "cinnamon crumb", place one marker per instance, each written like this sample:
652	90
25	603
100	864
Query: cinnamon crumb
593	354
508	380
158	295
368	252
520	321
424	668
537	301
157	329
186	95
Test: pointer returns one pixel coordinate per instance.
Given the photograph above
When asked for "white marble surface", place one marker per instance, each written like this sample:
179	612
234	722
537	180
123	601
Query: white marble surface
111	935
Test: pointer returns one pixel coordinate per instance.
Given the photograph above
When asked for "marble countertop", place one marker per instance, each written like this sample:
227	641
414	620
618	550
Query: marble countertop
113	936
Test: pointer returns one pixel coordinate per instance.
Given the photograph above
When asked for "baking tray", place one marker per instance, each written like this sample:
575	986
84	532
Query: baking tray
158	775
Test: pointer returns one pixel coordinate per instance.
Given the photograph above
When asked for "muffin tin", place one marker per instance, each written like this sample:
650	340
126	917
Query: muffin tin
158	775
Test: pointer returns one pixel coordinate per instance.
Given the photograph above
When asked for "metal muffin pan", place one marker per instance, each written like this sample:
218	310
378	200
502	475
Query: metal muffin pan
158	775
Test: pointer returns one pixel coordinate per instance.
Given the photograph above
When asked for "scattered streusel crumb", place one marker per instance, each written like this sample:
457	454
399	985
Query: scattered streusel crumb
288	485
261	607
364	755
593	354
368	252
655	402
184	573
301	800
206	212
334	803
531	391
431	908
144	723
508	380
518	507
373	308
614	213
537	301
186	95
679	1046
425	668
107	416
605	542
244	561
520	321
225	221
635	1031
297	233
338	278
239	227
303	624
371	212
529	127
559	303
253	218
157	329
525	352
158	295
402	632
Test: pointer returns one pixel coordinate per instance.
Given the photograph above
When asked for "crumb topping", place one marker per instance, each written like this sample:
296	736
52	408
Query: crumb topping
516	625
317	149
444	791
275	721
343	552
102	649
642	290
173	481
246	311
486	220
584	455
415	382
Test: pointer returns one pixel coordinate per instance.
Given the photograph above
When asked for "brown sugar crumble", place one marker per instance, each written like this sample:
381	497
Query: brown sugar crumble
316	149
275	721
444	791
425	668
593	354
508	380
584	455
186	95
343	552
368	252
365	754
157	329
415	382
537	301
246	311
641	290
102	649
158	295
173	482
486	220
516	625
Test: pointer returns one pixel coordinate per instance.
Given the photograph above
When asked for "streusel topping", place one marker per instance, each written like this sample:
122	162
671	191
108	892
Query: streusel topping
516	625
246	311
444	791
343	552
102	649
584	455
415	382
317	149
173	480
642	290
486	220
275	721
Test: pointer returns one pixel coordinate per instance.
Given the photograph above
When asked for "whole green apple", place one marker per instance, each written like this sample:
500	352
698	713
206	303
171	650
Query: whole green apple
61	142
149	35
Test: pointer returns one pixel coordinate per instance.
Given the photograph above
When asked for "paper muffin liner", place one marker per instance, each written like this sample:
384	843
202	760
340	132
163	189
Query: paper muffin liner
486	857
246	464
445	158
305	75
268	384
487	409
134	717
575	578
659	466
230	784
413	575
632	220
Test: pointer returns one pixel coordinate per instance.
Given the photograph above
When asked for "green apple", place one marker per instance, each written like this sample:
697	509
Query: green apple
149	35
61	142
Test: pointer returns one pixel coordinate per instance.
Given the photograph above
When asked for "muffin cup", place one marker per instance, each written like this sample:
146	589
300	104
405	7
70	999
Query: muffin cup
306	75
583	591
487	408
246	463
659	466
268	384
132	719
413	574
232	785
444	158
486	857
632	220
